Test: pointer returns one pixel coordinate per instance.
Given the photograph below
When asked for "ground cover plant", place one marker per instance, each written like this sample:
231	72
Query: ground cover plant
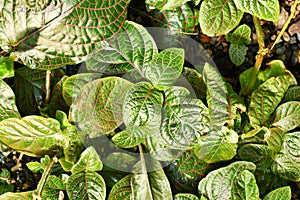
143	118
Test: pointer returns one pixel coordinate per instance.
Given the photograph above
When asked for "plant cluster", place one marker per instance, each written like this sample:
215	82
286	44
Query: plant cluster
139	123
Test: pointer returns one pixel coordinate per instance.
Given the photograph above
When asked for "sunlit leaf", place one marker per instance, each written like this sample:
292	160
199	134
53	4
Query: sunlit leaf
6	67
121	190
53	186
283	193
185	196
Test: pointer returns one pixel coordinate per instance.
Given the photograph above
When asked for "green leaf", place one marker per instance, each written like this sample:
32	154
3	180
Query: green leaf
30	88
185	196
142	106
88	161
292	94
59	36
219	17
165	68
218	146
86	185
237	53
73	84
275	68
245	187
121	190
218	183
164	4
264	9
287	116
283	193
185	119
122	161
275	139
216	97
8	108
6	67
241	36
32	135
97	109
246	78
287	163
39	166
129	49
186	171
266	98
17	195
152	185
126	139
196	81
52	188
261	155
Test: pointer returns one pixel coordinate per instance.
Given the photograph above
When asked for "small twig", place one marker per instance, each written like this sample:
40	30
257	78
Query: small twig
8	180
48	81
18	165
286	24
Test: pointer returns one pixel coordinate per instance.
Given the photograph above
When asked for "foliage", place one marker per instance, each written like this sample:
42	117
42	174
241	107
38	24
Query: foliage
113	129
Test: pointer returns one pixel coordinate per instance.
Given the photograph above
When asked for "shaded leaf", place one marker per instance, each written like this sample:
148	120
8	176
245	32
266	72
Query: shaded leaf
196	81
275	139
164	4
52	188
126	139
185	196
241	35
8	108
6	67
283	193
86	185
292	94
287	116
121	190
17	195
32	135
237	53
121	161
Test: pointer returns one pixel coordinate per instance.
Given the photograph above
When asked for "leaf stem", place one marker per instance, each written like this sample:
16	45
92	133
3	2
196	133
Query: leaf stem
286	24
260	38
48	78
46	173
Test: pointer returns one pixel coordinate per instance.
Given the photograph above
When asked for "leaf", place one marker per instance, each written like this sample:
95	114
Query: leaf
245	80
130	49
165	68
120	161
165	4
287	163
241	36
73	84
245	187
65	33
185	172
39	166
287	116
266	98
185	196
30	88
292	94
275	139
86	185
185	119
32	135
219	17
6	67
52	188
8	108
218	146
196	81
218	183
142	106
237	53
216	96
17	195
274	68
88	161
283	193
98	107
261	155
126	139
264	9
121	190
152	185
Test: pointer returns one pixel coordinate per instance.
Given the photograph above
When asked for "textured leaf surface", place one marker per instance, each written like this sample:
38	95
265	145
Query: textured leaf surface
52	188
185	196
292	94
261	155
264	9
283	193
219	17
86	185
216	96
165	68
275	139
218	183
241	36
121	190
73	84
267	97
32	135
88	161
17	195
185	119
8	108
165	4
287	116
237	53
98	107
130	49
30	88
196	81
63	34
6	67
244	187
126	139
218	146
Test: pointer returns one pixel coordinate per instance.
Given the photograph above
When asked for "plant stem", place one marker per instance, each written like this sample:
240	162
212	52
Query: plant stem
260	38
286	24
46	173
48	78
